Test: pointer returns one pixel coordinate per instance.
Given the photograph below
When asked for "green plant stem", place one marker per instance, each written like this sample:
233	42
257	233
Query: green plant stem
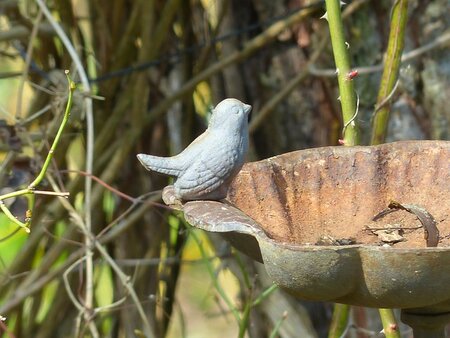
49	158
266	293
342	60
277	327
29	191
339	321
16	193
390	325
244	323
391	70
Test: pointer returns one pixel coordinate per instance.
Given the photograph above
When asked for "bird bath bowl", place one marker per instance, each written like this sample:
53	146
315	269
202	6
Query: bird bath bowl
290	211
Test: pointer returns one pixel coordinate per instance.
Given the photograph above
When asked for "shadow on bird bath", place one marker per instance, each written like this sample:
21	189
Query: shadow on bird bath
308	216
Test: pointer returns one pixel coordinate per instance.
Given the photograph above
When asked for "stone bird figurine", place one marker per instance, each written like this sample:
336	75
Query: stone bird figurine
205	169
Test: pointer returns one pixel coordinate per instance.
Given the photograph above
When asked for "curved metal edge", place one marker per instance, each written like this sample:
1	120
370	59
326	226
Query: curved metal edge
236	227
220	217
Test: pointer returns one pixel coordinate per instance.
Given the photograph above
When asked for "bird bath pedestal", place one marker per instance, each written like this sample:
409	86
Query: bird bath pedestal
292	212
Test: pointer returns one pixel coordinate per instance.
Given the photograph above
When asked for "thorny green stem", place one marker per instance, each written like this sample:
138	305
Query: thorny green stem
29	191
341	57
391	69
339	321
390	325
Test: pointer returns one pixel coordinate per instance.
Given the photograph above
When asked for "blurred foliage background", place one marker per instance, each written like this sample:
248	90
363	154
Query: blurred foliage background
111	261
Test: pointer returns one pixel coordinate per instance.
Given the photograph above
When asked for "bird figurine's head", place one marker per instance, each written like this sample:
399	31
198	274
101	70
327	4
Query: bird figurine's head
230	114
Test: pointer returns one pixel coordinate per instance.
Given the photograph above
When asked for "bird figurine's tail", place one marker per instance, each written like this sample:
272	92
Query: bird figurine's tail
163	165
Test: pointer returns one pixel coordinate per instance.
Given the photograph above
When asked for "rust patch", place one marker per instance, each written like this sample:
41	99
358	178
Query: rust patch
280	186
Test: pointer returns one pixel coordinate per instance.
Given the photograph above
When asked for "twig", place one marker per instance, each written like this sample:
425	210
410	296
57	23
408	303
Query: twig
107	186
35	115
387	98
71	295
110	307
174	260
42	89
51	193
69	241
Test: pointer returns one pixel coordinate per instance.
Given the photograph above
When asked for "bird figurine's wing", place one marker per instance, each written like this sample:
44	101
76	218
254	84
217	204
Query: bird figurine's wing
209	172
165	165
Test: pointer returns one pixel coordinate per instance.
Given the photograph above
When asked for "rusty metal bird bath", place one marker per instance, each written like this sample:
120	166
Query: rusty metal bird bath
277	205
